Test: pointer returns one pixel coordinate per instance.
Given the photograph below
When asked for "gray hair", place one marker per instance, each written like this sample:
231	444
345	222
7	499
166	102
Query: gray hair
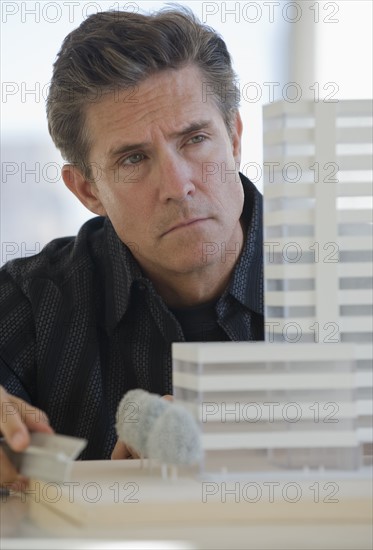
118	50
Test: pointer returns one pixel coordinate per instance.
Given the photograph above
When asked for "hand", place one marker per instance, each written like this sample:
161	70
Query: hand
16	419
122	451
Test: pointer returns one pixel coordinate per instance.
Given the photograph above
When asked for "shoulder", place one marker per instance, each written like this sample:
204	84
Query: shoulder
59	260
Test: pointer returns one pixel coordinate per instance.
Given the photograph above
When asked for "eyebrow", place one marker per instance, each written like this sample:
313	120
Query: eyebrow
128	147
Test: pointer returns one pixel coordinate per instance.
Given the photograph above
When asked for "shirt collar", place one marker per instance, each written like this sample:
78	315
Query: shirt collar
247	280
122	272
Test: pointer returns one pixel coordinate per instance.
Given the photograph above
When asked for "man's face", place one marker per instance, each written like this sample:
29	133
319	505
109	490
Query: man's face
168	172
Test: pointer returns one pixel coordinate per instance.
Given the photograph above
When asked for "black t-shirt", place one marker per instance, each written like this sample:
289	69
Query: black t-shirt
199	323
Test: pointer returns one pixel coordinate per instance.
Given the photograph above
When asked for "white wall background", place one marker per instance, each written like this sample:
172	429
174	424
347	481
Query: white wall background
272	43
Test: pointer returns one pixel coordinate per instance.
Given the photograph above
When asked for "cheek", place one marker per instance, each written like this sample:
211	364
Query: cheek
130	215
116	200
232	197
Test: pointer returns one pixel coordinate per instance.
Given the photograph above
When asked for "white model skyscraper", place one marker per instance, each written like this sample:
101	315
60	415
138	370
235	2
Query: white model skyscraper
318	229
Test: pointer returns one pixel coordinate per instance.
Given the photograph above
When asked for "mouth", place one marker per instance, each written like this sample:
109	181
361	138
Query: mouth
185	224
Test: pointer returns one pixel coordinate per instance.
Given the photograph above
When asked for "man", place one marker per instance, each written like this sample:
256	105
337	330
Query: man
145	111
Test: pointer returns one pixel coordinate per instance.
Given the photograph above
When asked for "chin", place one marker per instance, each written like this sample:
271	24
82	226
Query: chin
189	265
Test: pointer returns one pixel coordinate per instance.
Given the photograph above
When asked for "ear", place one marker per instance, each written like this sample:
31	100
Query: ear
85	190
236	137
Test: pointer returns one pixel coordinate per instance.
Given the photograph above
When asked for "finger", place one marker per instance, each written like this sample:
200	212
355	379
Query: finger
8	473
122	451
16	417
20	484
134	454
35	419
9	477
168	397
11	424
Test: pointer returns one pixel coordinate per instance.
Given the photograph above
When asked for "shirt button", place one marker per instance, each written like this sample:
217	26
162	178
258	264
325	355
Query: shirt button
141	286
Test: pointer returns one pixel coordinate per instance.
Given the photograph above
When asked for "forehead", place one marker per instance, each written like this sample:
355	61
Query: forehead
163	102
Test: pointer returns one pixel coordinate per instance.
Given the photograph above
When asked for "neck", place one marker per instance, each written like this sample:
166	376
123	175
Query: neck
189	291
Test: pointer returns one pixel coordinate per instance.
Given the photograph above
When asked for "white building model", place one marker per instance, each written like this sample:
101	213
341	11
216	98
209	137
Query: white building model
318	230
265	406
318	296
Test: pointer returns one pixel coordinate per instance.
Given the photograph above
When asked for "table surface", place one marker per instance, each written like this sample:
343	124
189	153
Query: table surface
120	504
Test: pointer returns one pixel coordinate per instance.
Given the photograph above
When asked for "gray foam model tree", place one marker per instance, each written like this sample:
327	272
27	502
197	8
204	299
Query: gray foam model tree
136	414
158	429
175	438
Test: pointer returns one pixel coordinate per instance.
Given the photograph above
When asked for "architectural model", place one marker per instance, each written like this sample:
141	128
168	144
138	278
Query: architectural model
318	231
270	406
269	415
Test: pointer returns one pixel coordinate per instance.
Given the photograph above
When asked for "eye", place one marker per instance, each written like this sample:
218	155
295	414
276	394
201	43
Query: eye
197	139
135	158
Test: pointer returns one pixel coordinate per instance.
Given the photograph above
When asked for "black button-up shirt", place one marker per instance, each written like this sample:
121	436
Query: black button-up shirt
80	325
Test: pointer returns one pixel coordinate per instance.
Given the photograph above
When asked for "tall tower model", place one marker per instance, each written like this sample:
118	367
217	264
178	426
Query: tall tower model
318	230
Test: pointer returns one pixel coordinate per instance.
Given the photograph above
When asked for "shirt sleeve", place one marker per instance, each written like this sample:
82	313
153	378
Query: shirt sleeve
17	340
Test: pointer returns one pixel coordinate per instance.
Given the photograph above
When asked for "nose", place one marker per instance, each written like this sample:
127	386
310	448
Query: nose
175	177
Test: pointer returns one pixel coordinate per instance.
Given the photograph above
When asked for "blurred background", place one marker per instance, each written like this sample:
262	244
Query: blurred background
281	50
